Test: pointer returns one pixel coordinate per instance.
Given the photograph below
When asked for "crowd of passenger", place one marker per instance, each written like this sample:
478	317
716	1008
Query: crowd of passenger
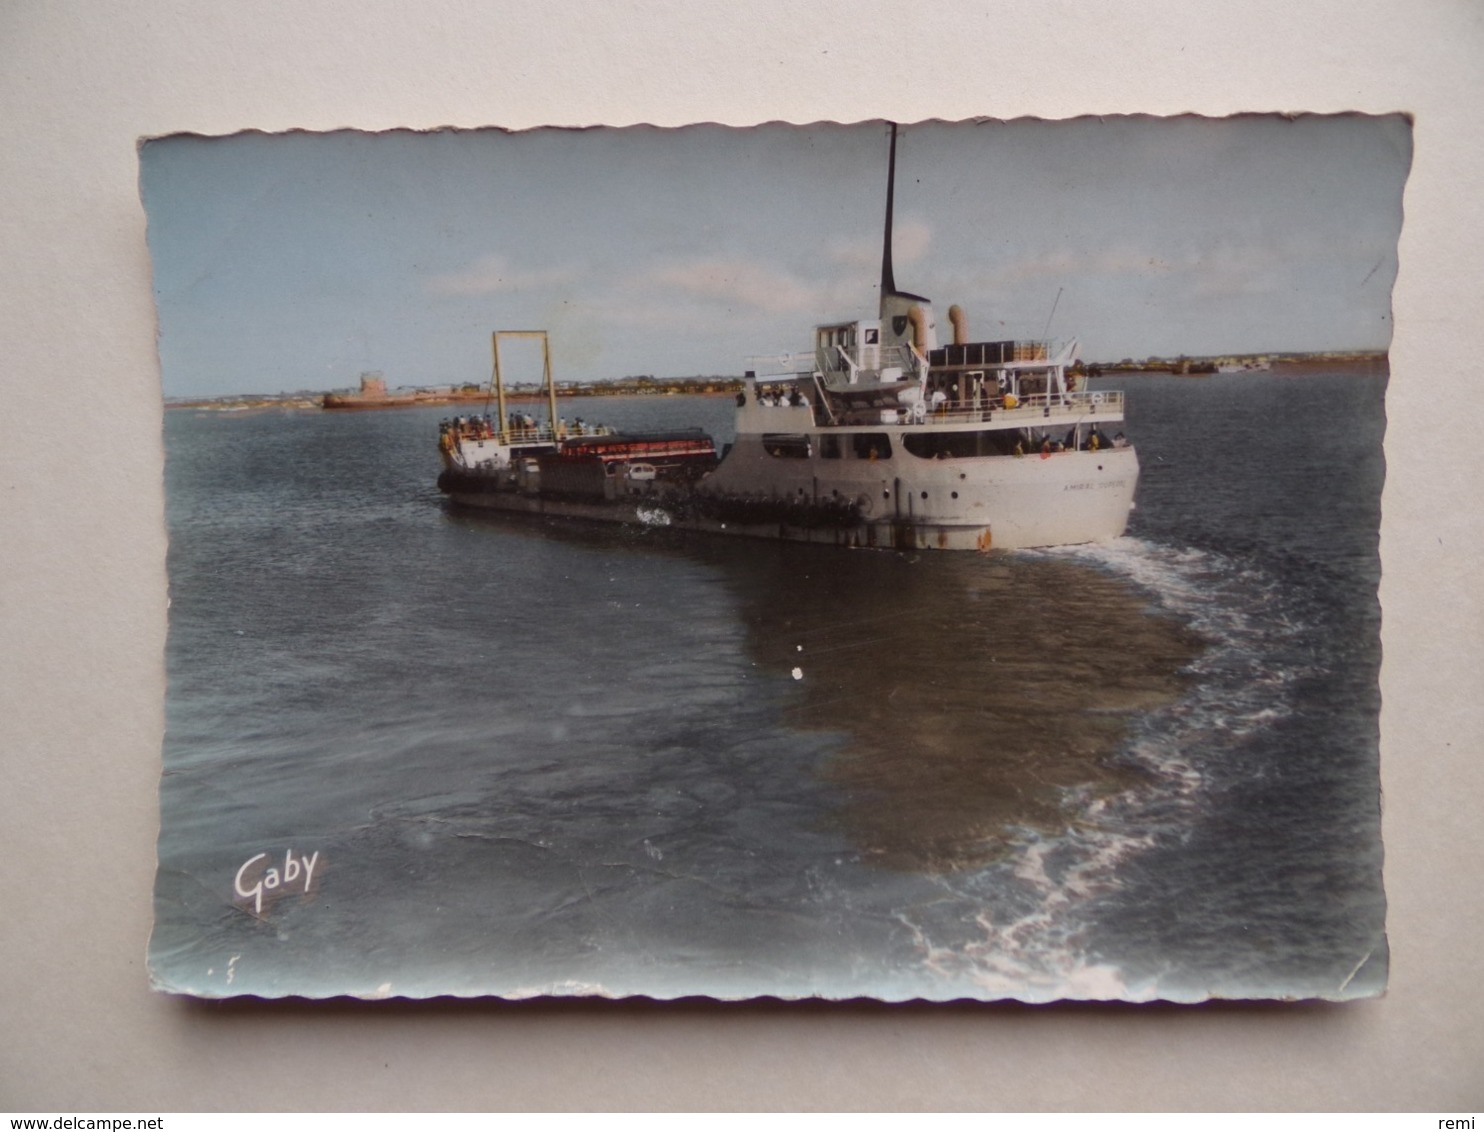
521	426
774	396
1092	441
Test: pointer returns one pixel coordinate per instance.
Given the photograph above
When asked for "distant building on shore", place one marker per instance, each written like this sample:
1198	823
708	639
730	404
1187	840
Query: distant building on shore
371	395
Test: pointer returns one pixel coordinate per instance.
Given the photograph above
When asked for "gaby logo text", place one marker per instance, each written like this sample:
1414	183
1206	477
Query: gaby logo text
253	880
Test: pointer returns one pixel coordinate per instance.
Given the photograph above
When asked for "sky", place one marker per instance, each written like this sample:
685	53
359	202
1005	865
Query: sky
299	261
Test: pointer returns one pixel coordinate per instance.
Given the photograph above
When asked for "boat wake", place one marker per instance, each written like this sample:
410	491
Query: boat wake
1021	927
1243	680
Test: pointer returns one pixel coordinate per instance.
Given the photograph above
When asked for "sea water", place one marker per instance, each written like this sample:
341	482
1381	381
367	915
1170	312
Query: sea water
534	757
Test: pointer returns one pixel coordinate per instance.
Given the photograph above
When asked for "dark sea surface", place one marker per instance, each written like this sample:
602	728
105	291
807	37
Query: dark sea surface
542	758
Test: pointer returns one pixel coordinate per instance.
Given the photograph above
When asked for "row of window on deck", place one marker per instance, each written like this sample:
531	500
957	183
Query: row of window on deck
939	445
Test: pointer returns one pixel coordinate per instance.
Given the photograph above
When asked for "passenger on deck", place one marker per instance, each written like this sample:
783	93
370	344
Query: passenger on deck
1120	441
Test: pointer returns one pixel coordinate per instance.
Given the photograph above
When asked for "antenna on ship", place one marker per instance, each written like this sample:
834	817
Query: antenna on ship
888	280
1052	315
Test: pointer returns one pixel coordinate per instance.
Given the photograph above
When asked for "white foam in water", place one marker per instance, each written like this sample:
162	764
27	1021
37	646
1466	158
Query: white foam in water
1036	949
1036	953
1237	608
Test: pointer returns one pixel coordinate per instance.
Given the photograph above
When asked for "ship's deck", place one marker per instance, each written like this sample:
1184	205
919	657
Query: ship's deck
1103	406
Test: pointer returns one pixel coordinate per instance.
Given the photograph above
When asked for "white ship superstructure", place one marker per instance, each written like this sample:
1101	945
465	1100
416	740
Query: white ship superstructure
985	449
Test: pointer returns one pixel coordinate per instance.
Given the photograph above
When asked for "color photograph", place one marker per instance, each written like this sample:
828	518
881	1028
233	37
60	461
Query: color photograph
920	561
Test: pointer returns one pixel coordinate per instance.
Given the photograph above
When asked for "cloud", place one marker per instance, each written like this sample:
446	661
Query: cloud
494	274
734	282
1222	269
751	307
1062	263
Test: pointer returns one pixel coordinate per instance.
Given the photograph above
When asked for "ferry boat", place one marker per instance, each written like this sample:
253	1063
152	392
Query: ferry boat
879	436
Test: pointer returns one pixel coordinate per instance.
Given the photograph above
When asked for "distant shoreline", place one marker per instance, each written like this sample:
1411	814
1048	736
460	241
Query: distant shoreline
353	402
702	387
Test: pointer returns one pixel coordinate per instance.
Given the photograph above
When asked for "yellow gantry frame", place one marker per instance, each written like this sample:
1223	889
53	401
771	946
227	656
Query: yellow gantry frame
499	382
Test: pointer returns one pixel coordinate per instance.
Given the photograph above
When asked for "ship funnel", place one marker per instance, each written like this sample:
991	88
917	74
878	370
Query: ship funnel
918	319
960	323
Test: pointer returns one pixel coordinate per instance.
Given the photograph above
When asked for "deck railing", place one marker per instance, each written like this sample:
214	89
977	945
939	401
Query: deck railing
1027	410
1100	405
543	433
1077	404
532	435
1009	352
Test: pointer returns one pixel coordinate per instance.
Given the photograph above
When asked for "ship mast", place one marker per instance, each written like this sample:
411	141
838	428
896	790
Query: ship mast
888	278
906	319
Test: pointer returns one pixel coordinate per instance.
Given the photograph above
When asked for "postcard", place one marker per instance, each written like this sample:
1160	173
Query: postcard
906	561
